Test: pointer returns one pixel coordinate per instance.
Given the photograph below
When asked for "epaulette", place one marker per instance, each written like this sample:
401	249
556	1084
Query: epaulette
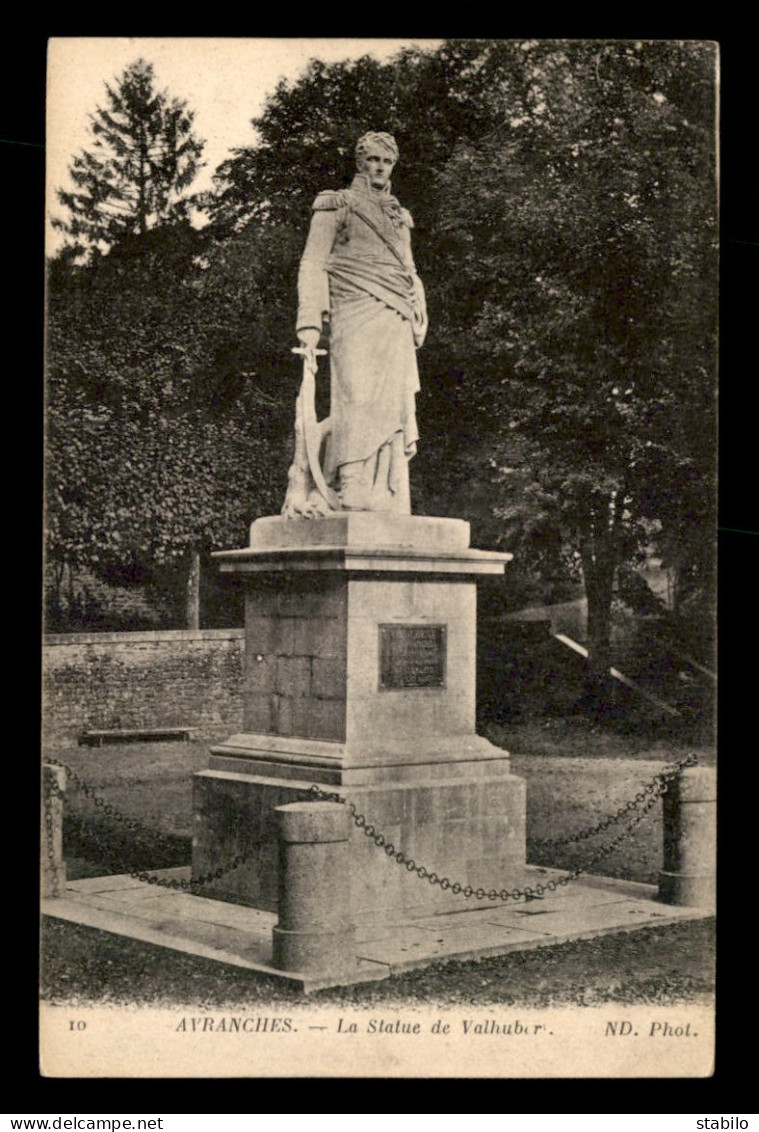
407	218
329	200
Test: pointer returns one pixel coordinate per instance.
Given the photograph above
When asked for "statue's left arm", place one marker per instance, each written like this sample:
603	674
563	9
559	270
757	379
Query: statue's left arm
420	323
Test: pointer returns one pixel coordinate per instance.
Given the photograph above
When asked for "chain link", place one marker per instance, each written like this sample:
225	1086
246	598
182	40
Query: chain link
643	802
116	815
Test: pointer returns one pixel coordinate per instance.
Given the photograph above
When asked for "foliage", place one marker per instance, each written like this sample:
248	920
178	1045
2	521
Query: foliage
307	133
157	443
578	262
143	157
564	201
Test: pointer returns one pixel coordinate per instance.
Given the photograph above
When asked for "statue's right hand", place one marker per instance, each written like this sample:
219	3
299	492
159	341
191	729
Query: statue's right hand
309	340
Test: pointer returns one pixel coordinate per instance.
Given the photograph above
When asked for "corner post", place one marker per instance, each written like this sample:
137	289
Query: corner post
688	878
53	865
314	932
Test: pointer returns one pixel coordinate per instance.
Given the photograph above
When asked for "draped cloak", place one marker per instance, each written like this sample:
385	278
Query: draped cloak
357	270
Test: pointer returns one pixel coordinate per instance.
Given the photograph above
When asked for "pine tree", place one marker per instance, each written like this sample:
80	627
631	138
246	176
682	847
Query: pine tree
144	155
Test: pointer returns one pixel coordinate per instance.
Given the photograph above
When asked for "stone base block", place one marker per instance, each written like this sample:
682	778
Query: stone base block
361	529
688	890
314	951
384	760
470	830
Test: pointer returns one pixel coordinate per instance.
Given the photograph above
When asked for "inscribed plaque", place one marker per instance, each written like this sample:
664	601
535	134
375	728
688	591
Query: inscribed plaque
412	656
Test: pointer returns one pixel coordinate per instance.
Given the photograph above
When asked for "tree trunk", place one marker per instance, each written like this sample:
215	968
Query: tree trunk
599	579
57	569
142	207
599	550
70	585
193	589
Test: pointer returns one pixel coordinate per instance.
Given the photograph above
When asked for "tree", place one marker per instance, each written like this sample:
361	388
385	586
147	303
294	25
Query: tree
308	130
143	157
579	253
162	442
564	194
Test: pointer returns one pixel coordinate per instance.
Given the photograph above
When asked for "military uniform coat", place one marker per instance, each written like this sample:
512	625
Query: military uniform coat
358	272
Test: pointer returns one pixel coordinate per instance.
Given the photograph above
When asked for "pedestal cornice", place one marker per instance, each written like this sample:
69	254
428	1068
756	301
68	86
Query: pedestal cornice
360	542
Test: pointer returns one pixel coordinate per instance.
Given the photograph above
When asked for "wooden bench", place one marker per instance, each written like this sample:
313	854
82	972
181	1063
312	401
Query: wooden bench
136	735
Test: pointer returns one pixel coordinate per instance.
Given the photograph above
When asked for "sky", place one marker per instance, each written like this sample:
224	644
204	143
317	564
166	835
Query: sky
225	81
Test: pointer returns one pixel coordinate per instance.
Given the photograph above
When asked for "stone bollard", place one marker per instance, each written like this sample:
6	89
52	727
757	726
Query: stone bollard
690	840
53	865
314	932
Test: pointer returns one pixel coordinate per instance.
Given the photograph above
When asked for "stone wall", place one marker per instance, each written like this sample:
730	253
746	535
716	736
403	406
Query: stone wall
100	681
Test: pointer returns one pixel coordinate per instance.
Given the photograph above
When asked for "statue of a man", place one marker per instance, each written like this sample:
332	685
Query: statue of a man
357	274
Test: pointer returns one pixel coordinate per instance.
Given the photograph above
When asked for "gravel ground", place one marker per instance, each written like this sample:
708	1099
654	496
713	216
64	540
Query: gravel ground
651	966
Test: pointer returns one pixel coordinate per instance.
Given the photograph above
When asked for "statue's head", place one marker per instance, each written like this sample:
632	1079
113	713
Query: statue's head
376	155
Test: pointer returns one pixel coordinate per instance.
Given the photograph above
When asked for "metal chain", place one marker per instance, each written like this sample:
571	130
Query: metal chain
114	814
426	874
607	850
649	790
642	804
162	882
110	811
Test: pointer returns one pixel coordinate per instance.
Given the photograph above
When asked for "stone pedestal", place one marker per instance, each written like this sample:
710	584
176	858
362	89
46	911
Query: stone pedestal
360	677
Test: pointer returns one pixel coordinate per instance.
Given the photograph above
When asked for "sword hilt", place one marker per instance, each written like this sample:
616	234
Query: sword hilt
309	356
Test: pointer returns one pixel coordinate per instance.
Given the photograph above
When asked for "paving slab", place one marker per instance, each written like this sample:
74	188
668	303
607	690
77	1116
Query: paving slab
217	936
405	949
185	904
578	897
242	937
633	888
126	900
588	918
590	897
77	911
374	929
107	884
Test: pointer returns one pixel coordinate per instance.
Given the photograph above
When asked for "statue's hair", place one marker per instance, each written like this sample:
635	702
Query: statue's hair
387	141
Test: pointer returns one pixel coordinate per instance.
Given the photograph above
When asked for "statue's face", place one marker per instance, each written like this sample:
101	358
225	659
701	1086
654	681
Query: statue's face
378	166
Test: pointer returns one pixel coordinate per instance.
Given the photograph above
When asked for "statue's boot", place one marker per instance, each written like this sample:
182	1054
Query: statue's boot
356	485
